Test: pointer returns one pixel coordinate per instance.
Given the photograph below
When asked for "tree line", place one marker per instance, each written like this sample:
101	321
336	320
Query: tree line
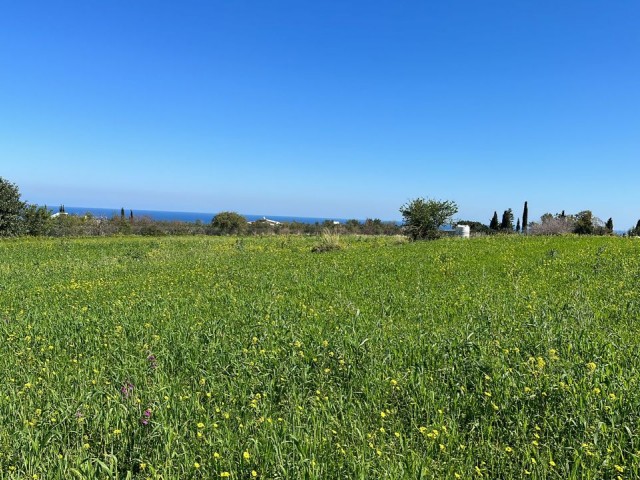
19	218
423	219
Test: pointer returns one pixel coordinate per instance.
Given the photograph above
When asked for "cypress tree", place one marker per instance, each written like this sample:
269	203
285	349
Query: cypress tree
609	225
494	225
525	218
518	226
122	214
507	221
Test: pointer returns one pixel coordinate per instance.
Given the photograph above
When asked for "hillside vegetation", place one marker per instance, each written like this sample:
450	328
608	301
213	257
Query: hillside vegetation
209	357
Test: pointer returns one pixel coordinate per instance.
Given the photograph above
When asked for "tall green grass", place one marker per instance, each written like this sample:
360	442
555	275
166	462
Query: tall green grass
206	357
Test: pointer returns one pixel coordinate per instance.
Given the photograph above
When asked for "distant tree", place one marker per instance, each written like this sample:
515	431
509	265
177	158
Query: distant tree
37	220
546	217
373	226
525	218
609	225
130	216
507	221
391	228
518	225
423	218
494	225
11	209
61	209
260	227
634	232
352	225
228	223
122	214
584	223
552	225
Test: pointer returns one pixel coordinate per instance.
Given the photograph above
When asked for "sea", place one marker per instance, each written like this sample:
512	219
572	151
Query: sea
204	217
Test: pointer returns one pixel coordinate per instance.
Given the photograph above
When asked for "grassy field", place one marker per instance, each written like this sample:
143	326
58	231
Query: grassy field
255	358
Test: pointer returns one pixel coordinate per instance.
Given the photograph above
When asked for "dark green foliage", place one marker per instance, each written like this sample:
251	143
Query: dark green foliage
507	221
352	225
609	225
262	227
37	220
494	225
635	231
373	227
525	218
518	226
228	223
423	218
11	209
584	223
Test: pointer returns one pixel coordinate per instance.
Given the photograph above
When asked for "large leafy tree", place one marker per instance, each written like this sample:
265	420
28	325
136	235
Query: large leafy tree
11	209
37	220
584	223
229	223
423	218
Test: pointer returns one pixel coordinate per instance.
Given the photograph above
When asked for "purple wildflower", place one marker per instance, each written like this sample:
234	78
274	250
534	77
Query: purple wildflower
146	416
127	389
153	362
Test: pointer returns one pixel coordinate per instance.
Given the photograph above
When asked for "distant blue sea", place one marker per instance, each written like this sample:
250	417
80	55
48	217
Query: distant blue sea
188	216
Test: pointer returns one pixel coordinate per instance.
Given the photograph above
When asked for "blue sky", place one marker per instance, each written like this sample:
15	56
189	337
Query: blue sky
332	108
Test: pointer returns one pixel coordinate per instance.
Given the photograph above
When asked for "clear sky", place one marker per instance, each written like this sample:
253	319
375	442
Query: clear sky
323	108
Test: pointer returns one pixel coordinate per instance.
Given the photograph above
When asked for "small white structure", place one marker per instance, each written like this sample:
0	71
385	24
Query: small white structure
463	231
268	221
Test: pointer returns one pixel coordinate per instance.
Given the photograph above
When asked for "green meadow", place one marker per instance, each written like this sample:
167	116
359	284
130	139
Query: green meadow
240	358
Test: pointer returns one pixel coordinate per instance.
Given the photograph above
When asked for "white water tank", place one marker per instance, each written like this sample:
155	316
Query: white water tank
463	231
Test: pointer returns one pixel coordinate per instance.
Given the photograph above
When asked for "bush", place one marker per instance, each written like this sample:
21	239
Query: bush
329	241
228	223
